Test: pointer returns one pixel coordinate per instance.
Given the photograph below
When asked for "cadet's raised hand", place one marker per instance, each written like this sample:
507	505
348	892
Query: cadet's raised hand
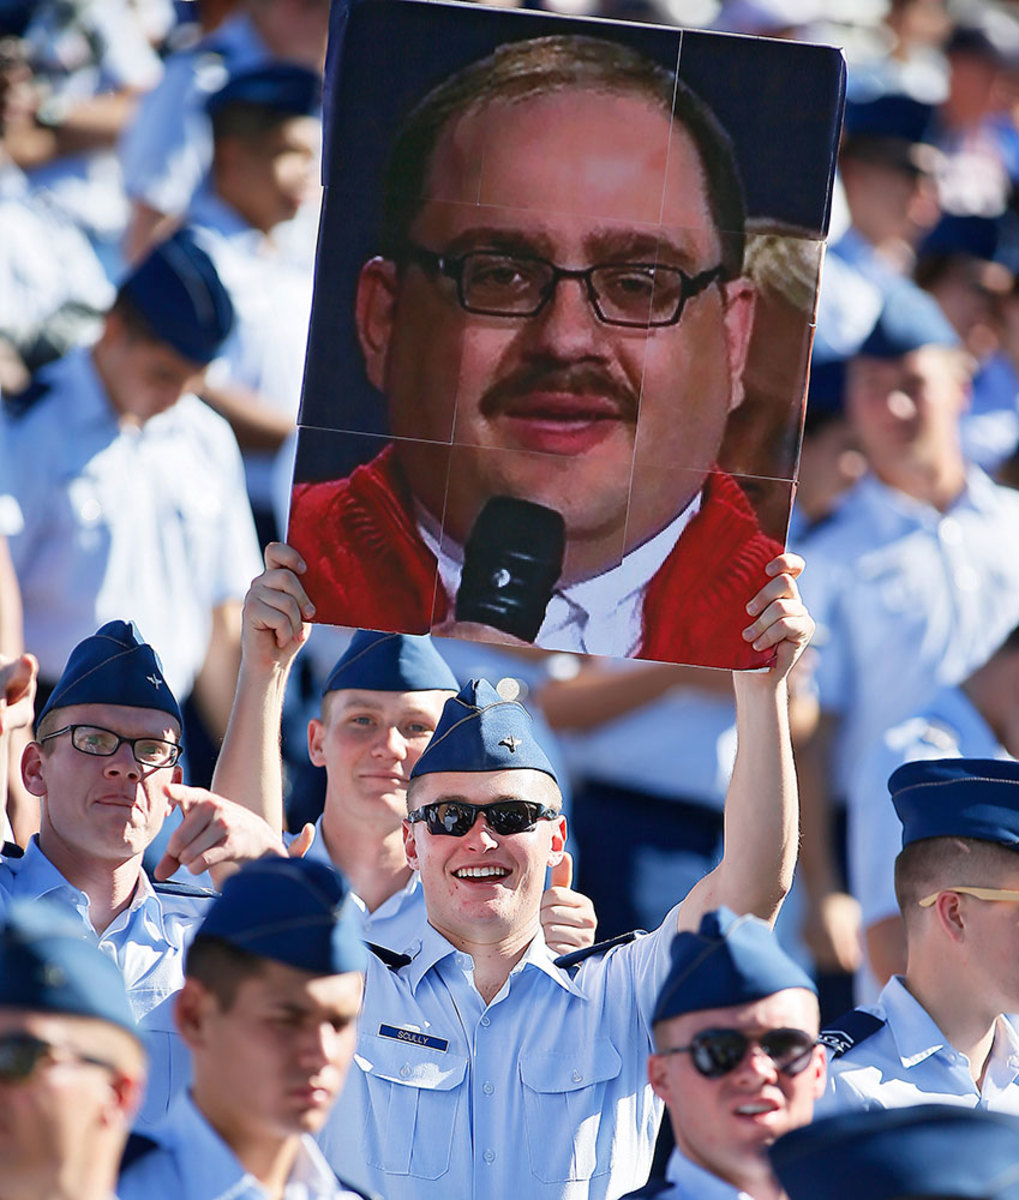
781	620
275	609
567	917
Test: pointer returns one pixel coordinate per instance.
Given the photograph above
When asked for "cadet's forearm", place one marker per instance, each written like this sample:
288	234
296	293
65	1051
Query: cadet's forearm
761	813
249	768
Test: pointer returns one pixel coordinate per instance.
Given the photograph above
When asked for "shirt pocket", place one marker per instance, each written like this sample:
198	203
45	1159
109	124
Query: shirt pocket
564	1098
414	1094
169	1061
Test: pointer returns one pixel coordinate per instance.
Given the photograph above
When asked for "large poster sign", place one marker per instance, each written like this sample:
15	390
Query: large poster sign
564	301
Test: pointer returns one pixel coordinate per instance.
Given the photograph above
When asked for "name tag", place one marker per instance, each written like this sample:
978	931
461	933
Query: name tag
411	1035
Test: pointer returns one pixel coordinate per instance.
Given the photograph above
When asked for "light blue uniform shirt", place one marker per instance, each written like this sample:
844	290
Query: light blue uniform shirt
688	1181
906	599
147	941
542	1093
52	286
166	152
194	1163
908	1061
148	523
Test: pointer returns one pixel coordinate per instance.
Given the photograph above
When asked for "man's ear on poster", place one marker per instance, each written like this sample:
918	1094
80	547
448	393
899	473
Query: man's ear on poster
374	312
739	301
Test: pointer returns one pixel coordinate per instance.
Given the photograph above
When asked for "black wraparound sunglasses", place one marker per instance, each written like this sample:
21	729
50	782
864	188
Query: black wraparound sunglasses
716	1052
455	818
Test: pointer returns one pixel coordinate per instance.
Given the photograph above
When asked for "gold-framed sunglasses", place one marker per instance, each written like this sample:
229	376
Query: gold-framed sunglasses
981	893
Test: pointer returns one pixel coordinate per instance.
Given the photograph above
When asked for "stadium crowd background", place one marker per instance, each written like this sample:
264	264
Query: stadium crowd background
905	516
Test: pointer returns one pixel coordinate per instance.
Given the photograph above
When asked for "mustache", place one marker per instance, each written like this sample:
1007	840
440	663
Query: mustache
576	379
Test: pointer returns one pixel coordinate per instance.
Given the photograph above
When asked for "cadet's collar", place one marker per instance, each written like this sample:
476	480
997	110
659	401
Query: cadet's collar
916	1035
427	953
693	1180
208	210
208	1166
36	876
540	956
434	948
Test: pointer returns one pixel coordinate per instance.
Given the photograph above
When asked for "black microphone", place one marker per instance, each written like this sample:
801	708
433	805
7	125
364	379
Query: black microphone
512	562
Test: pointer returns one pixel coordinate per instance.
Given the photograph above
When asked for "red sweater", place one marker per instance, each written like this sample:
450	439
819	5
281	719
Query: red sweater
368	567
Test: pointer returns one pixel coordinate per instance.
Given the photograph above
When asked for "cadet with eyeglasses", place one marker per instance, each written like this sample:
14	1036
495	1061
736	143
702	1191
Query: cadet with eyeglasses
104	765
486	1067
736	1058
944	1032
72	1061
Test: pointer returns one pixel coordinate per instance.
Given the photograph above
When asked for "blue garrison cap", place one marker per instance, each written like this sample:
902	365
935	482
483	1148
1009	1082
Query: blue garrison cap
47	966
284	87
391	662
295	911
729	960
966	233
884	1154
958	797
909	319
114	666
891	129
178	292
480	731
889	115
992	35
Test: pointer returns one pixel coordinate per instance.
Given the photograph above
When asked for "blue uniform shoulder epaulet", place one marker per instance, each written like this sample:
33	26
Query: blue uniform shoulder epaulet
849	1030
12	850
16	404
356	1191
138	1147
170	887
391	958
654	1187
575	957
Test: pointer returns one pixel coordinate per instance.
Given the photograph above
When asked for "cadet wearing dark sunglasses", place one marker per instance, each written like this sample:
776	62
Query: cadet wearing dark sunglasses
455	818
747	1017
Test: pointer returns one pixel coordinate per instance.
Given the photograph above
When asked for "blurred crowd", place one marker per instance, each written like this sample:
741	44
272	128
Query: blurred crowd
157	149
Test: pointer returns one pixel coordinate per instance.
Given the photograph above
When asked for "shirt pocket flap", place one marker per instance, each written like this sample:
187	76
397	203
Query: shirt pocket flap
410	1064
569	1072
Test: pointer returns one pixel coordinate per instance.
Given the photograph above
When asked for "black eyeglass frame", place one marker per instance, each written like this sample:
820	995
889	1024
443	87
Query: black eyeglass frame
711	1068
33	1051
537	812
452	267
176	749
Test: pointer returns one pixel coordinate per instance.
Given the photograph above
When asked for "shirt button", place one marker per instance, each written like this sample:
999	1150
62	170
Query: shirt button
405	1071
463	961
486	1021
951	533
91	511
490	1157
576	1077
488	1089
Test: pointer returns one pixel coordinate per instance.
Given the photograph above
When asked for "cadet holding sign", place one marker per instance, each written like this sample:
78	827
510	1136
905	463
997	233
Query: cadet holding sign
525	1074
557	315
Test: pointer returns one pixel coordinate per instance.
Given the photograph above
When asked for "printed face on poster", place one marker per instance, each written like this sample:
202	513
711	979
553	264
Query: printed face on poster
565	289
